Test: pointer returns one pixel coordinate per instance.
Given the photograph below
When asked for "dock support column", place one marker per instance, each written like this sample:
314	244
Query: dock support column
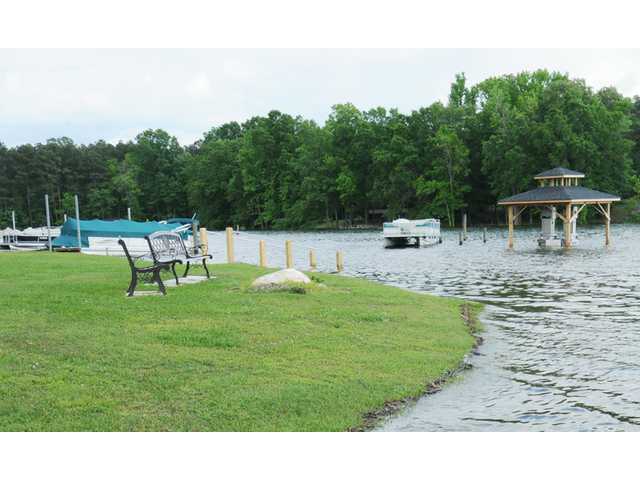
464	227
230	256
607	226
263	254
567	225
510	220
288	248
313	264
204	241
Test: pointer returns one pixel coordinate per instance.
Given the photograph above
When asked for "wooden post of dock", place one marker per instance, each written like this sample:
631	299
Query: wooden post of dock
78	222
464	227
567	225
204	241
339	261
510	220
230	256
263	254
46	208
484	235
288	251
460	237
312	259
607	226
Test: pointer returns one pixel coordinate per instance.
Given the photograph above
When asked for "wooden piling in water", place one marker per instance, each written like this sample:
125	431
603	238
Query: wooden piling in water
339	261
460	237
464	227
484	235
313	264
263	254
288	249
230	256
204	241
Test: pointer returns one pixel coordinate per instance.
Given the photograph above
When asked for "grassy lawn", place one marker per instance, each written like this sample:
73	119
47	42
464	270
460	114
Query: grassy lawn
75	354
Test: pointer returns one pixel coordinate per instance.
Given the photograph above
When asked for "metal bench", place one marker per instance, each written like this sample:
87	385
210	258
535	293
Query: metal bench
148	274
169	248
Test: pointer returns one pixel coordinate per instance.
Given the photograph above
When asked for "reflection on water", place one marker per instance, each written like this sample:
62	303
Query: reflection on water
562	339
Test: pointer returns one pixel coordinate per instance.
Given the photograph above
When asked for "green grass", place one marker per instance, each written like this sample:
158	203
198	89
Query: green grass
75	354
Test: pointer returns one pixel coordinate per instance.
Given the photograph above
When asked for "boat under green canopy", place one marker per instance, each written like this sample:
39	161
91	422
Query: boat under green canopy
108	229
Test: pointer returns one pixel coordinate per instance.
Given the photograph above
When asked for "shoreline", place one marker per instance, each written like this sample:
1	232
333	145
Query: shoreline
375	418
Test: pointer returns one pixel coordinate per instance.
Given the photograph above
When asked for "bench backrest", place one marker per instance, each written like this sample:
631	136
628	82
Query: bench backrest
166	244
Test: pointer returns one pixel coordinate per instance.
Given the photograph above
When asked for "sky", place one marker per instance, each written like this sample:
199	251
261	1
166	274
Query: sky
113	95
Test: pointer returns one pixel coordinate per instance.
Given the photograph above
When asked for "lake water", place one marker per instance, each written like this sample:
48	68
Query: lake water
562	338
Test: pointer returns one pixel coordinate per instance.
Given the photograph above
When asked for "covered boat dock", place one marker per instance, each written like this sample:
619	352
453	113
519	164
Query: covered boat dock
559	194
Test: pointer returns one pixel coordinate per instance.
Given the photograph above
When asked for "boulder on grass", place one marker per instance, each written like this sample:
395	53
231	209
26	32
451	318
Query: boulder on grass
284	277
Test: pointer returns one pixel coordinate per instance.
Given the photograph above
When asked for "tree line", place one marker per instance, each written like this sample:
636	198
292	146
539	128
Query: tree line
278	171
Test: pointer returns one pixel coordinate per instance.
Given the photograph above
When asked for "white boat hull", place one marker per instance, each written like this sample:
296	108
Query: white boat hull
403	232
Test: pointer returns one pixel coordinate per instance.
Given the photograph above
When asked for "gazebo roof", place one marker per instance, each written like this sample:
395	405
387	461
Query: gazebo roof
559	194
559	172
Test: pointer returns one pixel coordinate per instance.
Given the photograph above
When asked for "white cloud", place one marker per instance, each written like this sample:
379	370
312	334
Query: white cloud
114	94
199	86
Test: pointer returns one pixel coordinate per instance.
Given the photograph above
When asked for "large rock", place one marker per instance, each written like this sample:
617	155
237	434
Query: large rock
281	277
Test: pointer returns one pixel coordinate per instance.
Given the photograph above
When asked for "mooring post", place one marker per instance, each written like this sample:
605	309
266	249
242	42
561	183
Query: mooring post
46	208
460	237
464	227
263	254
229	232
312	259
204	241
339	261
484	235
288	253
78	222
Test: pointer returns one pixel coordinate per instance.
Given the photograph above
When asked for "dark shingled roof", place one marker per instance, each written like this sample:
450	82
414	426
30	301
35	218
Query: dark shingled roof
559	172
558	194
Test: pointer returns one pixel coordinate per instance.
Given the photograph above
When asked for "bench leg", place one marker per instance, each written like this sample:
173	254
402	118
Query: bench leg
186	270
132	284
156	277
204	264
175	275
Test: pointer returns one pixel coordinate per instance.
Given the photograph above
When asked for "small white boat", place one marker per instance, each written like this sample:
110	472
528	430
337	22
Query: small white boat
403	232
30	238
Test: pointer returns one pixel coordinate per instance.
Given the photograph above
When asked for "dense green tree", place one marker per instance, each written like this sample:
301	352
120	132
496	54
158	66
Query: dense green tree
278	171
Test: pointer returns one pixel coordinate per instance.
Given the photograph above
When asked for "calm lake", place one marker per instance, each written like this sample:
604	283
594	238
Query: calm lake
562	338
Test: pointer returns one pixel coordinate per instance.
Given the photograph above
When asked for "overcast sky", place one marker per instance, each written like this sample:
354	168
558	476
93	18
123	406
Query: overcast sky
115	94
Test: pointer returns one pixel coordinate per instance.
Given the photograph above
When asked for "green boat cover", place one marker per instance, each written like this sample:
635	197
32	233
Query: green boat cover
107	228
182	220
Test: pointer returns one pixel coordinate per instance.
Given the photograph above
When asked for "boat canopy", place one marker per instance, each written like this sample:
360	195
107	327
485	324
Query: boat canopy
109	228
